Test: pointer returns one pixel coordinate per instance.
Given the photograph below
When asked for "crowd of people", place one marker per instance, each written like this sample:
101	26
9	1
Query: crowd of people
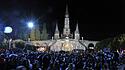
17	59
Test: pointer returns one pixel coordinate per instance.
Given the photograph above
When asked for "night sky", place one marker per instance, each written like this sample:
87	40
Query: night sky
98	19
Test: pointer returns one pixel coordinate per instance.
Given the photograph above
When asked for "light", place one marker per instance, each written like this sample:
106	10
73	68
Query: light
41	49
91	47
30	24
8	30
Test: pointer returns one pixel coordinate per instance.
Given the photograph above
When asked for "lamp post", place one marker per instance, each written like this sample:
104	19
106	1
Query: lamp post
30	25
8	30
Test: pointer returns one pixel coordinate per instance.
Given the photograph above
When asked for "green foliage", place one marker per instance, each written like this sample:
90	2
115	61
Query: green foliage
30	47
113	43
19	43
3	45
44	35
104	44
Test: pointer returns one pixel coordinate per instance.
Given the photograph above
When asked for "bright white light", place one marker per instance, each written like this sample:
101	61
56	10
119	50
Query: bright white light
30	24
91	47
8	30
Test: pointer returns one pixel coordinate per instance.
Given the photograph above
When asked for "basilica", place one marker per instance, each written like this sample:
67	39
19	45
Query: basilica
65	41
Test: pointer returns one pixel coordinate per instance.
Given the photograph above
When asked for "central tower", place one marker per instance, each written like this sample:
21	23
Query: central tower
66	30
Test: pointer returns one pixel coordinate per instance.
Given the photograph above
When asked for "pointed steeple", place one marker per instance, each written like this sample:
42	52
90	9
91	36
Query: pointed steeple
77	35
77	28
57	31
56	35
66	13
66	30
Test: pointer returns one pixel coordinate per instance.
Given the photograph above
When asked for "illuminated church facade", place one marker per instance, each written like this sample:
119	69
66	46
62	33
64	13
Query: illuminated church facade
65	41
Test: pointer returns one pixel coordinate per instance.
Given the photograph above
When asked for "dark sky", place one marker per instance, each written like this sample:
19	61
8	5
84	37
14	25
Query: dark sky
98	19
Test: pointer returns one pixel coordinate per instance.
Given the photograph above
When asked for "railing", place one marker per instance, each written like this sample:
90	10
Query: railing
82	44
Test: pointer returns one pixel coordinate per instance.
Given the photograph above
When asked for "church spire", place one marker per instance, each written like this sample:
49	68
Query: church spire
56	36
66	30
77	28
77	35
66	13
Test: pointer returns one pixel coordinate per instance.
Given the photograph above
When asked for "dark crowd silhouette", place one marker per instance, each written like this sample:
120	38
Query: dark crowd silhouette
17	59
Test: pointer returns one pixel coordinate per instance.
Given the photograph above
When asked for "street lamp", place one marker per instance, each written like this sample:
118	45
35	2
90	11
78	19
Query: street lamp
30	25
8	30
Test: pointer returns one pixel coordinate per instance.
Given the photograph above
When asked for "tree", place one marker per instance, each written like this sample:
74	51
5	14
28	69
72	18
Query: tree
104	44
113	43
